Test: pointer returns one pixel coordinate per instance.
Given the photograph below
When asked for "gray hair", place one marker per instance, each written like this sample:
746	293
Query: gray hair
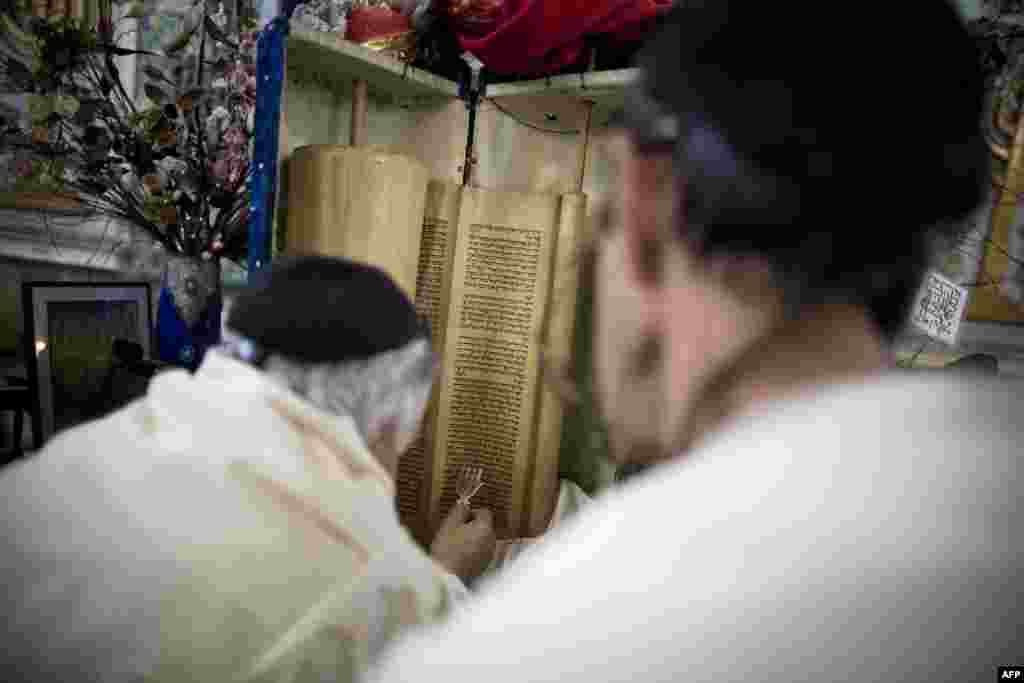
390	386
394	385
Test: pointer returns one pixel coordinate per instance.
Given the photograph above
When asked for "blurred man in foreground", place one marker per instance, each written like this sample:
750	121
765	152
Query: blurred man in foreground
239	523
824	520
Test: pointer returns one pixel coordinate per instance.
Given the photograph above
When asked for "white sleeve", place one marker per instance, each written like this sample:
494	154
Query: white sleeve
79	558
782	563
455	591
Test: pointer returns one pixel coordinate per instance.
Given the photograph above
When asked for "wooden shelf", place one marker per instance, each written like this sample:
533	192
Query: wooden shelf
599	86
315	54
324	55
606	89
36	201
556	103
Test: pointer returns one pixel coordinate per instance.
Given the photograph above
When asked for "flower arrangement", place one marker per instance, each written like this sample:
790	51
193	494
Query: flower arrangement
173	161
999	37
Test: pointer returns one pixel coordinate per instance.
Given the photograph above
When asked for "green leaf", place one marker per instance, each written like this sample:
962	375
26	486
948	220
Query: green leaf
137	11
39	107
12	31
56	169
66	106
180	43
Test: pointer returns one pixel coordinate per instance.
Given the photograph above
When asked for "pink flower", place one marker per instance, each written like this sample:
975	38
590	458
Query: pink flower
247	41
239	74
105	29
249	91
236	139
23	168
219	169
238	169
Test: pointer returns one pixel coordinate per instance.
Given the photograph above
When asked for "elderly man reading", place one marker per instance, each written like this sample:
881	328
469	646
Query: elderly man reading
239	523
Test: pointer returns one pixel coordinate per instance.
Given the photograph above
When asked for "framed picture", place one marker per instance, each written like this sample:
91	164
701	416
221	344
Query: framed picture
70	330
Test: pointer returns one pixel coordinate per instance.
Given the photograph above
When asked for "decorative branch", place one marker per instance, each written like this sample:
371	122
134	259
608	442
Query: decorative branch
176	167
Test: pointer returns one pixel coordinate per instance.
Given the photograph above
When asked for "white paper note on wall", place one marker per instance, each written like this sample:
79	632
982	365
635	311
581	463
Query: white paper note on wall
939	307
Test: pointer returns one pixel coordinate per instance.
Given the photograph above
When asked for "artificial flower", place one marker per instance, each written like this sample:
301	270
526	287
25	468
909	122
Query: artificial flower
248	92
235	138
216	123
143	163
129	181
39	106
237	168
168	215
240	73
23	168
66	106
105	30
219	169
152	182
172	166
167	137
247	41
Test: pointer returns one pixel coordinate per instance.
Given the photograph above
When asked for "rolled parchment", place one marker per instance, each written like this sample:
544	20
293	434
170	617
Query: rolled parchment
359	203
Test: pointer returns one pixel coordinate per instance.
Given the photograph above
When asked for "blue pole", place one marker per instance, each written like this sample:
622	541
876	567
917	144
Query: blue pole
270	53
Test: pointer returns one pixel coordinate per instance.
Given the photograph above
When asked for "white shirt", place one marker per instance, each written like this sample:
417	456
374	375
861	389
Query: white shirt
220	528
868	532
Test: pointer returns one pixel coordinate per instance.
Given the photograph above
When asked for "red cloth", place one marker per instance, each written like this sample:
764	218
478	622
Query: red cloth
537	37
375	23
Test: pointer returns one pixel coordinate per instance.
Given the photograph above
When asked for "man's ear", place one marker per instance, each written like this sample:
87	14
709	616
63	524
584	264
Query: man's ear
648	213
382	441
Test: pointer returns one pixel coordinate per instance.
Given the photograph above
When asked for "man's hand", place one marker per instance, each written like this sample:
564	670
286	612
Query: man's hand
465	543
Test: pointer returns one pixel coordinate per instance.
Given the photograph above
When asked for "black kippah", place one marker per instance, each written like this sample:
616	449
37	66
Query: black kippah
316	309
891	98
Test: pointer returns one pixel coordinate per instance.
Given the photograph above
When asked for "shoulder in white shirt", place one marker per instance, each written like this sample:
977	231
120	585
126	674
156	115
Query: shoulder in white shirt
869	532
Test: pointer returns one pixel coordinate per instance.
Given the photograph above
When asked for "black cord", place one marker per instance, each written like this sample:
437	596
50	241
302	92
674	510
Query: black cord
473	104
920	351
913	359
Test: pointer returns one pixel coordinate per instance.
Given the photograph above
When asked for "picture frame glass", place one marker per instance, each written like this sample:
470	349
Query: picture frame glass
81	338
71	330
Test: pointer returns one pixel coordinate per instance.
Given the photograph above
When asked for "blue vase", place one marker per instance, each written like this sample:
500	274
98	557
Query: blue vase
188	318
